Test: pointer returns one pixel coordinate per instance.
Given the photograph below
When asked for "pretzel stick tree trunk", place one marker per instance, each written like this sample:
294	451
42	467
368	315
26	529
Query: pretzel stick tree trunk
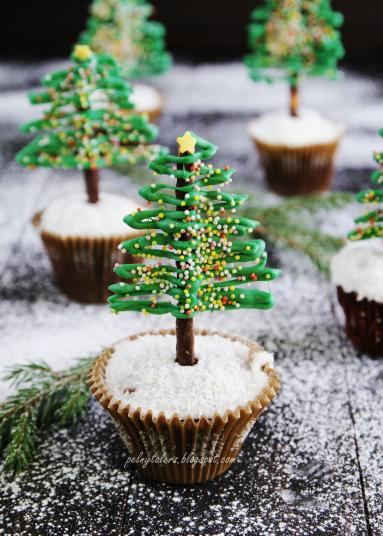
184	326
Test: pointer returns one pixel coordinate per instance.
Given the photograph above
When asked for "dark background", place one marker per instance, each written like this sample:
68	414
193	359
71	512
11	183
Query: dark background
198	30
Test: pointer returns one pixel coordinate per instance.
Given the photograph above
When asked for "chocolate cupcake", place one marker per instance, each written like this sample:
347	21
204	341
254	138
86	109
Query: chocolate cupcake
357	272
184	425
296	153
82	241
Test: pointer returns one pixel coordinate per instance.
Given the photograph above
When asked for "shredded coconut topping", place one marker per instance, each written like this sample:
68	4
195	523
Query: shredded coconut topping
309	128
74	216
143	373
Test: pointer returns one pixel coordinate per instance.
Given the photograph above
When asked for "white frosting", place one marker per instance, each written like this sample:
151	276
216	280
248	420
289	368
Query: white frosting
74	216
145	98
358	267
309	128
222	379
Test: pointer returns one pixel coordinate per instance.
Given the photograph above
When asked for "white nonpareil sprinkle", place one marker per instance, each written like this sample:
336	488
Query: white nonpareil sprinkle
222	379
74	216
358	267
281	129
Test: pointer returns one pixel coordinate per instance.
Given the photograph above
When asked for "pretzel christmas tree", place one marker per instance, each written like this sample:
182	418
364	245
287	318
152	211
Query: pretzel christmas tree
122	28
194	231
90	122
299	37
370	225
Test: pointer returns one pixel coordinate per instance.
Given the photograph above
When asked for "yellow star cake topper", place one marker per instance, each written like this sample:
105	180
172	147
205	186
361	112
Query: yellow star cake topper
82	52
187	143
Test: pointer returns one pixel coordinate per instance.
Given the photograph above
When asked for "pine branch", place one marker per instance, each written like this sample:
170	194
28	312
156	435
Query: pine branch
42	397
318	247
311	204
25	373
22	441
289	225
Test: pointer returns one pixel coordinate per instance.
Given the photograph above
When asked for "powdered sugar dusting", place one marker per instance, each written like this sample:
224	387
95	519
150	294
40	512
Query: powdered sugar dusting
144	374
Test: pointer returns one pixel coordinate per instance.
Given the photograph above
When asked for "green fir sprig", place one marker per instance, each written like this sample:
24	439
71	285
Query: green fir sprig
41	397
290	224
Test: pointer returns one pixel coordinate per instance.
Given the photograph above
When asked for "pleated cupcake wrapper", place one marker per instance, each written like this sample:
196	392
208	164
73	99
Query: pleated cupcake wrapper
83	267
182	451
364	322
297	170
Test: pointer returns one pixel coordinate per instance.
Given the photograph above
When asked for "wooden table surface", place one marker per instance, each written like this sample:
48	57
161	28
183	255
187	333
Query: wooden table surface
313	463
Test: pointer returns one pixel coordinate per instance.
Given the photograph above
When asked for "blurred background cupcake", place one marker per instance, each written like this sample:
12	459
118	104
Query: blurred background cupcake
357	271
89	125
296	39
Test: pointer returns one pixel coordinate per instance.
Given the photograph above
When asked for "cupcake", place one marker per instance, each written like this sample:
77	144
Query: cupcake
89	125
357	271
296	149
82	241
148	100
183	399
296	152
184	425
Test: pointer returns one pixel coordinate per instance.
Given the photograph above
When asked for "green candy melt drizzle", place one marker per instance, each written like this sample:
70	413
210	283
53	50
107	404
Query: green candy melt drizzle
197	234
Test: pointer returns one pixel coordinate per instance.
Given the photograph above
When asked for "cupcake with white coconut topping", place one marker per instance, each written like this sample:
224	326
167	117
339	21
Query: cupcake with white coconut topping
297	39
357	271
90	124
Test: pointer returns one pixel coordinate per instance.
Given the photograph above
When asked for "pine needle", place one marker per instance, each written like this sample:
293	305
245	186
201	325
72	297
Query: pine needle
290	225
42	397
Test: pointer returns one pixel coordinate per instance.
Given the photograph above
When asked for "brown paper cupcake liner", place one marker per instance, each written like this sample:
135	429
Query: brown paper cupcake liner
83	267
364	322
297	170
182	451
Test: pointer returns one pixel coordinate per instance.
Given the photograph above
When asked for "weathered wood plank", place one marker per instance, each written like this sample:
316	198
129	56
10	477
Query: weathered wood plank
76	486
365	384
